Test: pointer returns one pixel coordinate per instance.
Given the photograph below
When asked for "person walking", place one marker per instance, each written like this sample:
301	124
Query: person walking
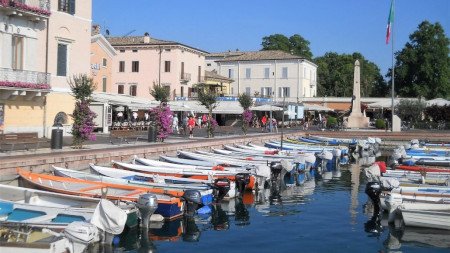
191	126
175	124
263	122
185	124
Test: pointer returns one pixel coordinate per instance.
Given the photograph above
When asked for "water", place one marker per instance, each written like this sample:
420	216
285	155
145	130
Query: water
328	215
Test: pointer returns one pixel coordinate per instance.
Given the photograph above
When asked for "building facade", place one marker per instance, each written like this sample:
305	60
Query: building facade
43	43
142	61
274	74
103	60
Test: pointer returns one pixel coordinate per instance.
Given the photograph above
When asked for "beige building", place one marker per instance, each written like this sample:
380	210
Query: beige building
102	61
43	44
220	84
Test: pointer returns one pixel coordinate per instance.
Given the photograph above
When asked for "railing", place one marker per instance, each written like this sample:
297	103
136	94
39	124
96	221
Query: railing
185	77
40	7
24	79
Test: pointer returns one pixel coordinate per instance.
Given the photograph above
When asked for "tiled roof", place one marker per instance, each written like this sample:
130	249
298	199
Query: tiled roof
214	75
139	41
262	55
226	54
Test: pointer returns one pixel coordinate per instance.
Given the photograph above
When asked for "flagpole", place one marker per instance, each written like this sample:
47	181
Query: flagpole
393	75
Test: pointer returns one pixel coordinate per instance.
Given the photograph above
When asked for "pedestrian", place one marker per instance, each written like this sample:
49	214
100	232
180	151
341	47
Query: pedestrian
120	116
191	126
175	124
204	120
263	122
199	122
135	115
185	123
146	116
275	125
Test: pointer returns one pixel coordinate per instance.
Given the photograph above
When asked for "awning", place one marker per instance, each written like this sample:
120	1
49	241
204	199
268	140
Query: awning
438	102
313	107
266	108
133	103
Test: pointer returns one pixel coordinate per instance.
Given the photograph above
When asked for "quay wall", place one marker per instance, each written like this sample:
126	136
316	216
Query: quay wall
80	159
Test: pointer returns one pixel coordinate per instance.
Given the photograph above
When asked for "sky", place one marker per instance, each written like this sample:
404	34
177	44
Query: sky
342	26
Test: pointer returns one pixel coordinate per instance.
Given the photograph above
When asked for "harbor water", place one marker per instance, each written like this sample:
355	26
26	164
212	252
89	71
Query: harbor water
330	214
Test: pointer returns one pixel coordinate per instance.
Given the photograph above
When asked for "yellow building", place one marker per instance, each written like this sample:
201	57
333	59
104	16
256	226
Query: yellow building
219	83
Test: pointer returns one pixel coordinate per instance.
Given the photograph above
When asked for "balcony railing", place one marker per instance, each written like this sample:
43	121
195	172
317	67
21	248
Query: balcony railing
185	77
38	7
24	79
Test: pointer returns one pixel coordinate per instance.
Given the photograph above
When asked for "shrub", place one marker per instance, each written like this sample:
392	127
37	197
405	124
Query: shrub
331	122
380	124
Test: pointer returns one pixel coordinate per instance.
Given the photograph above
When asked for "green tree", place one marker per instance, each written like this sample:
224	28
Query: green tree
295	44
160	93
246	102
422	66
410	110
208	98
161	115
82	88
335	73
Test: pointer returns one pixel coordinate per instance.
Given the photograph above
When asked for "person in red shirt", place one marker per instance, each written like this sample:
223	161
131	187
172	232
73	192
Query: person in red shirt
263	121
191	126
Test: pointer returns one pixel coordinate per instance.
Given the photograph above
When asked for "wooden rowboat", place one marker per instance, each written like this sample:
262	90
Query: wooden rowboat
421	168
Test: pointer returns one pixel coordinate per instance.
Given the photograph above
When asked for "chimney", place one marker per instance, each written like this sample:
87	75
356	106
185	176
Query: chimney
146	38
95	30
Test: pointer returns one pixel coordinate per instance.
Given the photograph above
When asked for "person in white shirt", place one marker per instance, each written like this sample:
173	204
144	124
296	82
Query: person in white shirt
175	124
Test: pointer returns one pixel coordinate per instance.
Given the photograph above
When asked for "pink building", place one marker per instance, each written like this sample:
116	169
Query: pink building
142	61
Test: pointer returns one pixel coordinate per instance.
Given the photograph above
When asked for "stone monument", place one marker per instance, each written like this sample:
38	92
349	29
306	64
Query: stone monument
357	119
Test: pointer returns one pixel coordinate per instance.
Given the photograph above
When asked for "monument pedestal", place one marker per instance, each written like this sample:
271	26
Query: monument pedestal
356	120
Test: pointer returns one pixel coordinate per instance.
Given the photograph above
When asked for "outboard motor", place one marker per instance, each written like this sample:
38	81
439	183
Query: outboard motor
221	188
373	190
275	168
242	179
81	234
193	199
147	205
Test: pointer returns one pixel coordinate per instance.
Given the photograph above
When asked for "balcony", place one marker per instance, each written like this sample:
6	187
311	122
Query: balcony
31	8
185	77
30	84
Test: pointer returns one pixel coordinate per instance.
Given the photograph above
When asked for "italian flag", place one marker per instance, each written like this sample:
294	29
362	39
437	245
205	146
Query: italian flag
390	21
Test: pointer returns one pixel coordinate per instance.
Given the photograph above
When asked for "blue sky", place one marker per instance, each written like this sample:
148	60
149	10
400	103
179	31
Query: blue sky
342	26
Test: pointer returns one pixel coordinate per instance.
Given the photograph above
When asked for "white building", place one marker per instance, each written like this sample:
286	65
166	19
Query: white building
270	73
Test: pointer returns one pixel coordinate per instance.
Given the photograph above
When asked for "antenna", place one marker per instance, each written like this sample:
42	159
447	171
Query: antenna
128	33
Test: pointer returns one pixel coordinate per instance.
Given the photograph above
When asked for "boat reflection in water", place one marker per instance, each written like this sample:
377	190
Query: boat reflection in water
410	235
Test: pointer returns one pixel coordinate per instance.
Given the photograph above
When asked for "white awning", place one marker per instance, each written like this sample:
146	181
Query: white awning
438	102
313	107
266	108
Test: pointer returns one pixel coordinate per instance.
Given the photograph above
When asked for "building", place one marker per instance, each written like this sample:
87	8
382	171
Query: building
102	61
143	61
219	84
43	43
272	73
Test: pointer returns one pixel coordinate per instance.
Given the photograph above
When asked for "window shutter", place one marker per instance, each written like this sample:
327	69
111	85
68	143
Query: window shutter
72	7
62	60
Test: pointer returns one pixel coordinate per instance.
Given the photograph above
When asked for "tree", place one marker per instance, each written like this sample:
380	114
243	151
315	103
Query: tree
295	44
246	102
335	74
208	98
410	110
82	88
422	66
161	115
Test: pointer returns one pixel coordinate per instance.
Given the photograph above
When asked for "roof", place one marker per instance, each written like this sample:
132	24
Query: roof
103	42
214	75
226	54
139	41
261	55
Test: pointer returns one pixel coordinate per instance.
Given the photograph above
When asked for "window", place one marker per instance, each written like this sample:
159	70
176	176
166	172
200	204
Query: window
182	70
67	6
62	60
17	52
167	66
230	73
104	62
248	73
135	66
266	91
122	66
133	90
122	50
247	90
104	80
200	74
284	74
120	89
182	91
167	50
284	92
135	50
266	73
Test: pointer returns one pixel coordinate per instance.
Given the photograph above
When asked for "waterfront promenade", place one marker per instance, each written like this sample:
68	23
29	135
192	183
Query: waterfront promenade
102	151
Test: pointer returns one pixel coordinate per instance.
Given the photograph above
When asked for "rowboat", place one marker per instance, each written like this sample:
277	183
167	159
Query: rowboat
332	140
169	206
205	191
186	173
137	176
426	218
422	169
52	200
178	160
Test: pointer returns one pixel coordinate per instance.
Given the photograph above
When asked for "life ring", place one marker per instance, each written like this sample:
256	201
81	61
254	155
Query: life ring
218	167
